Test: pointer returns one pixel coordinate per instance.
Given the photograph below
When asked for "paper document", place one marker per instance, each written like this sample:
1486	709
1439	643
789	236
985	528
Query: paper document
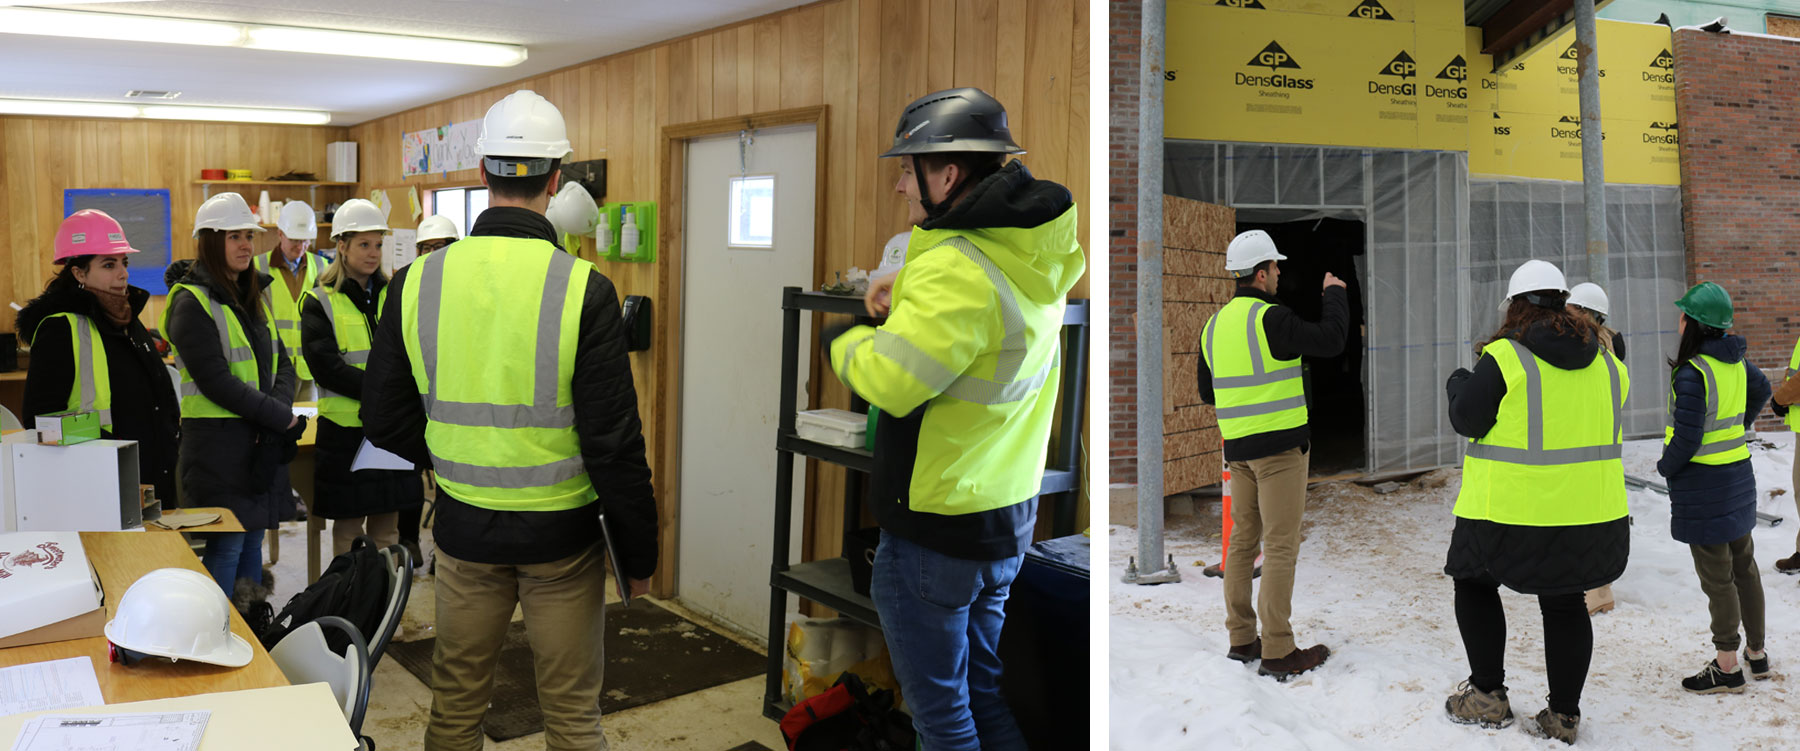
57	684
370	457
173	731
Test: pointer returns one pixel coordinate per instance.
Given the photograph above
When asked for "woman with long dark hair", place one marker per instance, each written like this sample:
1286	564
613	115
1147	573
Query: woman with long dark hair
237	390
1714	396
1542	504
90	353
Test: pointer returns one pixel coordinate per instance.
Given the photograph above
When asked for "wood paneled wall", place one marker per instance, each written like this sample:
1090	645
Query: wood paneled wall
43	156
862	59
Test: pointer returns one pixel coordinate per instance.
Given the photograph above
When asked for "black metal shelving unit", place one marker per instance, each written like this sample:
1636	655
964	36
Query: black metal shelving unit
827	582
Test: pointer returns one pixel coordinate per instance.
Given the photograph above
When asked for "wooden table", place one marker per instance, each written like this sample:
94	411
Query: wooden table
228	522
120	558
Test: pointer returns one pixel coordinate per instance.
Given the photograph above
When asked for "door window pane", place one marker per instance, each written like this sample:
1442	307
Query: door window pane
752	212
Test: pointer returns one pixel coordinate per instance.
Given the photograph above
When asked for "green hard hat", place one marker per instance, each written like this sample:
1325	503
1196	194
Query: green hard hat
1707	303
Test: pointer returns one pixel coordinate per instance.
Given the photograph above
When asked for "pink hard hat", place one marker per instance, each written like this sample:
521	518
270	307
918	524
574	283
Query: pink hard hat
90	232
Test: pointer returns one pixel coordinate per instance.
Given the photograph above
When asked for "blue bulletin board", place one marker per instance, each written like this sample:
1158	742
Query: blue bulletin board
145	216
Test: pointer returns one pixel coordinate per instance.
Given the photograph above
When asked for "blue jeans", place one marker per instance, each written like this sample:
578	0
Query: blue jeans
231	556
941	617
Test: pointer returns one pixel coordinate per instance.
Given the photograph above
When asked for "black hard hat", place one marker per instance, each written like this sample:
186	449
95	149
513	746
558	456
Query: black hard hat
965	119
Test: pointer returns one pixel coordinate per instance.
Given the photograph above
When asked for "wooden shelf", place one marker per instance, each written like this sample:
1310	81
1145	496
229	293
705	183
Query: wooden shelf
295	183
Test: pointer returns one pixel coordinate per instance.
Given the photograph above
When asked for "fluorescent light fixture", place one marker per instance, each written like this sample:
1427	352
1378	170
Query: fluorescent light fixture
129	28
62	108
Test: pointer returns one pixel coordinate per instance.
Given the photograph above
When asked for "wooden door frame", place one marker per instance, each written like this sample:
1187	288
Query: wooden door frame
666	405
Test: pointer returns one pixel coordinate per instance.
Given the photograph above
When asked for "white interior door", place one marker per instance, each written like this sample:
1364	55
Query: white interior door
733	270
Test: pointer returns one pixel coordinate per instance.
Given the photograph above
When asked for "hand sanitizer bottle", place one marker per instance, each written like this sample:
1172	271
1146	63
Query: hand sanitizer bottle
628	247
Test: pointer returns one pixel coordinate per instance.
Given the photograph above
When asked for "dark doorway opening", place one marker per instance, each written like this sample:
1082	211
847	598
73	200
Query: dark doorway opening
1335	395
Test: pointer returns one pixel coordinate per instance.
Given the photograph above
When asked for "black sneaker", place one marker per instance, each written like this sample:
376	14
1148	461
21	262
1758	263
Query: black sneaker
1759	666
1714	680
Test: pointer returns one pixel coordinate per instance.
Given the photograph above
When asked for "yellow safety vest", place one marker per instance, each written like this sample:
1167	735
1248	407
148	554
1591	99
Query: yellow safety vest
1552	458
280	299
240	358
1253	392
1723	439
92	389
350	330
493	367
1793	416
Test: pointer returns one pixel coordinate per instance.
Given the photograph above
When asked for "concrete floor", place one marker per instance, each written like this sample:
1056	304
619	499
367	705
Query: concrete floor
715	719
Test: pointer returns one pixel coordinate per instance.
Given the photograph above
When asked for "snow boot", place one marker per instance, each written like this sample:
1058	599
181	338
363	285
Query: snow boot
1714	680
1759	666
1473	706
1248	653
1789	565
1555	725
1295	663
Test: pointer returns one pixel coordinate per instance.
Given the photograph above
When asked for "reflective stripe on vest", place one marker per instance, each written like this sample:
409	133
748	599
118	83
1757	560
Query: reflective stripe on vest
1552	457
240	357
92	389
499	453
1253	392
286	306
1006	387
1722	438
352	339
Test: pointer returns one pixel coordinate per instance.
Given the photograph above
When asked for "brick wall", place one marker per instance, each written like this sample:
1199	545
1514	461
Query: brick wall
1124	18
1740	194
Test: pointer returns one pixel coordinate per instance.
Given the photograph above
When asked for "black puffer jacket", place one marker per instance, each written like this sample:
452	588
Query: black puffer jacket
235	462
339	493
1710	504
143	398
606	423
1532	560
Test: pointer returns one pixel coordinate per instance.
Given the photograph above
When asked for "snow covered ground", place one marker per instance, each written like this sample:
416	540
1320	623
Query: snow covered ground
1370	586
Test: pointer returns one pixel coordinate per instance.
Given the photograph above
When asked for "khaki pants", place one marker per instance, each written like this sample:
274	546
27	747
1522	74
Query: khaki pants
1733	590
564	603
1268	496
382	529
1796	486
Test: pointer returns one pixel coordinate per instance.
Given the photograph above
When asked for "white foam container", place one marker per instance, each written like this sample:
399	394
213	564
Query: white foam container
832	427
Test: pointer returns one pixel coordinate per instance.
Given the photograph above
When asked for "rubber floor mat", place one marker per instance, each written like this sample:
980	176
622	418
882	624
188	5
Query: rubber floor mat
651	655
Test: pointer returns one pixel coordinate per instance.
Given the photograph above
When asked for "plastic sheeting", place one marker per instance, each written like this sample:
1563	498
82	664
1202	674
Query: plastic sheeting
1512	221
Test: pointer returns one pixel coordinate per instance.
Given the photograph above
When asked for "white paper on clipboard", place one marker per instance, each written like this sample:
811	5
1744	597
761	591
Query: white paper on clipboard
370	457
618	566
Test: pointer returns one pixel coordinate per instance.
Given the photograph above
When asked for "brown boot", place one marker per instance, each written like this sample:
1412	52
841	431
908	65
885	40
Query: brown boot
1789	565
1295	663
1247	653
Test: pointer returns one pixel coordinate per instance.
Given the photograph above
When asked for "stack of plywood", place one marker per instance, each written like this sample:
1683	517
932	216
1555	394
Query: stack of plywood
1195	286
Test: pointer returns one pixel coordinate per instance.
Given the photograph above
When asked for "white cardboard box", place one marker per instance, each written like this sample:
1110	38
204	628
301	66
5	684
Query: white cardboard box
87	487
832	427
44	579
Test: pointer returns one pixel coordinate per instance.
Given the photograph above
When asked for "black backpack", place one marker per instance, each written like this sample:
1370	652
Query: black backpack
848	717
354	587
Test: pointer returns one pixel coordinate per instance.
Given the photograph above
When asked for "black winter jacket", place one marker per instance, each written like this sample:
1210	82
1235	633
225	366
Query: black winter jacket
240	462
1710	504
339	493
143	398
1290	336
606	422
1532	560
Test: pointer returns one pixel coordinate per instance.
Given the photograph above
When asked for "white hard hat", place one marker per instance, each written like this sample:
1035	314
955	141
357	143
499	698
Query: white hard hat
1531	276
357	215
525	131
180	614
437	227
297	221
1249	249
1589	295
225	211
572	211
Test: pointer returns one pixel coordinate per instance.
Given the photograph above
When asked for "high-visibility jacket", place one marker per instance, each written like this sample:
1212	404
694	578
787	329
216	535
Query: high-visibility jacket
1552	458
490	327
92	389
283	300
1722	436
350	330
1793	416
973	339
234	343
1253	392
